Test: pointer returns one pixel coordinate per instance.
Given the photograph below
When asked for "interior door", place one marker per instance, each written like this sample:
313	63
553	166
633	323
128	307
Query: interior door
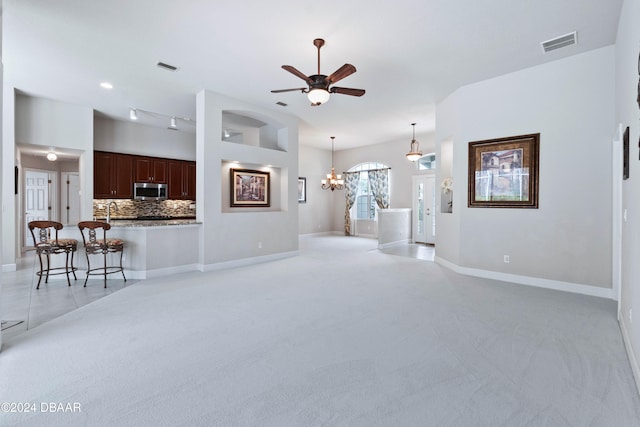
36	201
70	198
424	202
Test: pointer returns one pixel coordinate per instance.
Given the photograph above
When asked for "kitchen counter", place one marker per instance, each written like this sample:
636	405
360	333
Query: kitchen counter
150	223
152	248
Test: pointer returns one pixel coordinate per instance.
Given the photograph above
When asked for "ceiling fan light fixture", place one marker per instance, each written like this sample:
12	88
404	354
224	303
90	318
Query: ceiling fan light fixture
318	96
414	152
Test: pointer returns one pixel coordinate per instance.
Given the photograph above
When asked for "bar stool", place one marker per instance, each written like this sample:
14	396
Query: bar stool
46	246
104	246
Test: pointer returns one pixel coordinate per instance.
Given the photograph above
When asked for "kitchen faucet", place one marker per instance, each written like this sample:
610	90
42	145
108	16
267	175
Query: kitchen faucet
109	209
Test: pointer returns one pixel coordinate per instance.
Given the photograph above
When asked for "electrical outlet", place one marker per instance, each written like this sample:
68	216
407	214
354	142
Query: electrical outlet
259	245
506	259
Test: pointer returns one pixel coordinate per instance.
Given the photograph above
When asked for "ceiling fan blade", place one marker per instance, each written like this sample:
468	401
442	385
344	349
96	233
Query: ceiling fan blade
347	91
341	73
301	89
296	72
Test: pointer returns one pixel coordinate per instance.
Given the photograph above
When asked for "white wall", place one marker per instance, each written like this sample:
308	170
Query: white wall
243	233
628	114
46	123
315	216
568	239
134	138
392	154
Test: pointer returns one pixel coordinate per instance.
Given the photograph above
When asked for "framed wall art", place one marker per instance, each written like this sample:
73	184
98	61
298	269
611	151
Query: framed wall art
249	188
503	172
302	189
625	154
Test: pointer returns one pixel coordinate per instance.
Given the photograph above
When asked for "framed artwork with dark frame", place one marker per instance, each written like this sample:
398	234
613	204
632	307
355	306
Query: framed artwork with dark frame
302	189
625	154
503	172
249	188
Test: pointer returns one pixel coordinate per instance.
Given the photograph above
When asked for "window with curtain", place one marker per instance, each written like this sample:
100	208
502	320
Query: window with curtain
365	200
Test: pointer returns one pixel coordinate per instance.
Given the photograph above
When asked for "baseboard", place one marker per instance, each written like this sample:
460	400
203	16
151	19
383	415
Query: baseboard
396	243
162	272
530	281
320	233
6	268
246	261
633	361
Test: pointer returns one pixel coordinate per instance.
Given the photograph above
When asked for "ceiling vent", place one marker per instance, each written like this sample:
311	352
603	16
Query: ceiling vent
166	66
559	42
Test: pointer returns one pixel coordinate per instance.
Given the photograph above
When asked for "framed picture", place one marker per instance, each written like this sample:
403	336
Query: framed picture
625	154
249	188
302	189
503	173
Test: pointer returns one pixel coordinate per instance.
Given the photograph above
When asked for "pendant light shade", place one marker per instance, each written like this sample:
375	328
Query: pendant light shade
414	153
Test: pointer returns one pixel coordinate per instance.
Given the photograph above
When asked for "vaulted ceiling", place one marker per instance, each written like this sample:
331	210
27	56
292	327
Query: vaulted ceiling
409	54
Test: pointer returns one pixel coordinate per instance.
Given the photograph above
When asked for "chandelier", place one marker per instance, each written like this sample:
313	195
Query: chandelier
414	153
333	181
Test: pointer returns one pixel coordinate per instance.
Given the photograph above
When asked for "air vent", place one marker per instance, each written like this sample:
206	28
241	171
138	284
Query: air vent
559	42
166	66
282	104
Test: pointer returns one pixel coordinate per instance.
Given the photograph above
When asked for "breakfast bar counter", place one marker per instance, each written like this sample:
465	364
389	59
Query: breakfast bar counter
150	223
153	248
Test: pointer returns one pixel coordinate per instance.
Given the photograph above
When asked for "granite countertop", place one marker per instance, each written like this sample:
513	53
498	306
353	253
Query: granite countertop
133	222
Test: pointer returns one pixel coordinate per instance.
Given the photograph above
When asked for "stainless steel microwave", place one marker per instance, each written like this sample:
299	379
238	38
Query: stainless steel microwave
149	191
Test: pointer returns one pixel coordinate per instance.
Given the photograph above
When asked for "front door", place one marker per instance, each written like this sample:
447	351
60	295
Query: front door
424	201
36	202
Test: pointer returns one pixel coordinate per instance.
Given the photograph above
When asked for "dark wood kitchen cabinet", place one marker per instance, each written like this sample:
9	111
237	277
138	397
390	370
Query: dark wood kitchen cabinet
112	175
150	169
182	180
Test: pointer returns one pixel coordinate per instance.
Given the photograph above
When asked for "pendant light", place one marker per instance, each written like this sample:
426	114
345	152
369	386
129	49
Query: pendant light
414	153
333	181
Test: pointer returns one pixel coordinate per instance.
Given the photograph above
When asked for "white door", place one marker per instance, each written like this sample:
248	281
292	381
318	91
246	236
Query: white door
70	198
36	200
424	202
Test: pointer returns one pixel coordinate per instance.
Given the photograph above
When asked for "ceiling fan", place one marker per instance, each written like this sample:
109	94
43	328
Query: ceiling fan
318	91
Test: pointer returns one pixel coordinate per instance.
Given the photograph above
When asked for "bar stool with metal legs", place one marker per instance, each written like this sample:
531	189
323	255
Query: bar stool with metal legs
93	245
47	243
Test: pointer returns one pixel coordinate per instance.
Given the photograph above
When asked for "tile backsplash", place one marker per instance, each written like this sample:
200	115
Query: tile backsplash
135	208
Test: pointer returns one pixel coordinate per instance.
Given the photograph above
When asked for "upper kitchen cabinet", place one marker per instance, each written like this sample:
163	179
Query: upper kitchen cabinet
182	180
150	169
112	176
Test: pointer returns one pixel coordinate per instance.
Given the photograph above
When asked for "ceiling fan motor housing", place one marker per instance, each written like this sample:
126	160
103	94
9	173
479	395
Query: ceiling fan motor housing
319	82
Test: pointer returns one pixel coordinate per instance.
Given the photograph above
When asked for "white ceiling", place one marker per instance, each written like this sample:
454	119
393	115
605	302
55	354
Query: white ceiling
409	54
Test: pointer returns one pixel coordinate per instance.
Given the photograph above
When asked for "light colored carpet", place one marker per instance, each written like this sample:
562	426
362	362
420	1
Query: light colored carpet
340	335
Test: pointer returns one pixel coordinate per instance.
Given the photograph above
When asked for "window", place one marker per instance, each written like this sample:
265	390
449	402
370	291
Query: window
428	161
365	202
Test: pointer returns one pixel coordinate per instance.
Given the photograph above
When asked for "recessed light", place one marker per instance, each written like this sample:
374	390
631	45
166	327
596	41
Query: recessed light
106	85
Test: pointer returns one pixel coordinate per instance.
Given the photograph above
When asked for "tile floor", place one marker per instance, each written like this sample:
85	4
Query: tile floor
24	307
412	250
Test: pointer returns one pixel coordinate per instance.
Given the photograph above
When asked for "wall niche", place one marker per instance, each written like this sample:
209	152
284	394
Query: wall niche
248	128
